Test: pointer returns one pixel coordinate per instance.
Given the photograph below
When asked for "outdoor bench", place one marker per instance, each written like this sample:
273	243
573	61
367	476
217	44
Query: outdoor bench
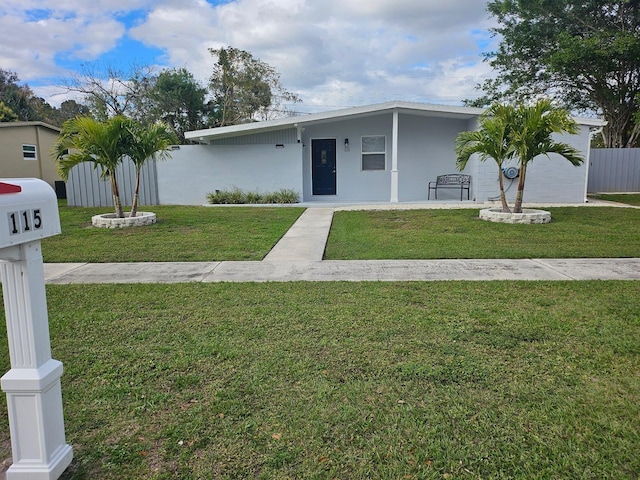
452	180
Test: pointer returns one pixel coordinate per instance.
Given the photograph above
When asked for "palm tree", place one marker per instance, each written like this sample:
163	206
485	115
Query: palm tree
83	139
147	142
491	140
531	135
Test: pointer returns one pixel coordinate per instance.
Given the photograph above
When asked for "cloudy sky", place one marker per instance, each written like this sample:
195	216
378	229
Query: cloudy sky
332	53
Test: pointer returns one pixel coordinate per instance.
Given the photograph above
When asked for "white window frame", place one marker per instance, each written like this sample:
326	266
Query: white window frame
27	154
363	154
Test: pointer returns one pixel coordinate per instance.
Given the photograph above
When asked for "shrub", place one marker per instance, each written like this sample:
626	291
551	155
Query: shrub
287	195
237	196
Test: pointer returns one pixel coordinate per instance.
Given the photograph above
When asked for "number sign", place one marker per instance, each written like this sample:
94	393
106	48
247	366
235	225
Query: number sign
28	211
24	221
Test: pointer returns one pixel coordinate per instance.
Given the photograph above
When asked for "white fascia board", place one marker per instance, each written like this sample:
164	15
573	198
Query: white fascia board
590	122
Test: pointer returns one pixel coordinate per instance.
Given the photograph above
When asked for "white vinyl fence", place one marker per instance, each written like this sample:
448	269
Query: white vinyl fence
614	170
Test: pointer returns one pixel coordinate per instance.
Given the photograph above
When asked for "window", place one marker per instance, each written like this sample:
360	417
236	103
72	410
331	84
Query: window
29	152
374	152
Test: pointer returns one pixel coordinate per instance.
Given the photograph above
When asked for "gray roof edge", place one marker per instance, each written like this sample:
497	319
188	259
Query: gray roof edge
36	123
315	117
292	122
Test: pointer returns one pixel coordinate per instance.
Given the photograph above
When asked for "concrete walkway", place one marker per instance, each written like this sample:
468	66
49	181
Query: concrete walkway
348	270
298	257
306	239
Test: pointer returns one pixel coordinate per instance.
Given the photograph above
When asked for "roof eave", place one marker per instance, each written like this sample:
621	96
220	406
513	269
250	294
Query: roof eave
31	124
317	118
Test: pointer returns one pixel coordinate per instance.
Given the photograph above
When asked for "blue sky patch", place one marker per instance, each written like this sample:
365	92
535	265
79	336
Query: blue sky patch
482	39
132	18
37	14
215	3
127	53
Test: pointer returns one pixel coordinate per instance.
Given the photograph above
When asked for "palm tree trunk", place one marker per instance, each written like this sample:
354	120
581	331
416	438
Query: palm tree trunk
503	197
517	208
134	203
116	196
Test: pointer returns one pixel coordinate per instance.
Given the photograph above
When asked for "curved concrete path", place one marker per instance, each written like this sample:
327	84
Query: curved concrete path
298	257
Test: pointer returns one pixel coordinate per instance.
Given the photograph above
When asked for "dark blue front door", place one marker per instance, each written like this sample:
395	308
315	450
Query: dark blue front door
323	166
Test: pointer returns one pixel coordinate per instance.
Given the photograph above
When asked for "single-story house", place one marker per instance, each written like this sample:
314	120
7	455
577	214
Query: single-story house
25	151
379	153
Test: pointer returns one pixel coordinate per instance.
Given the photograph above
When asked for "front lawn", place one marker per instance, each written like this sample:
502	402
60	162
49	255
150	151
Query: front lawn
628	198
574	232
182	234
348	380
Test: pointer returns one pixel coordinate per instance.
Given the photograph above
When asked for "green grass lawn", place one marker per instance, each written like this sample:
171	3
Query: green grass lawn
430	234
248	233
413	380
348	380
628	198
186	234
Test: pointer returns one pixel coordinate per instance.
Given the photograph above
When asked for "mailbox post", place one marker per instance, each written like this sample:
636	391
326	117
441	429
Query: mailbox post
28	213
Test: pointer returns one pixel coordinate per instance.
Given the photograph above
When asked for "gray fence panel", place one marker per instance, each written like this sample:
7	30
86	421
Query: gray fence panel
614	170
85	188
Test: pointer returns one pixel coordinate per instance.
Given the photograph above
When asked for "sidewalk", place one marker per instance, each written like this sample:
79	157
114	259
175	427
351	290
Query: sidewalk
298	257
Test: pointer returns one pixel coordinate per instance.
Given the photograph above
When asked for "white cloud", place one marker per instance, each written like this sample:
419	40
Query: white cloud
333	53
36	34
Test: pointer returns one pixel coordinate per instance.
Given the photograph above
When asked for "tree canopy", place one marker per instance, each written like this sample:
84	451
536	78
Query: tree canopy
110	91
177	99
18	103
586	54
244	88
6	114
241	89
16	98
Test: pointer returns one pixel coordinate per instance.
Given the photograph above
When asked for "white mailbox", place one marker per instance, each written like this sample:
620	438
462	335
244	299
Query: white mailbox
28	213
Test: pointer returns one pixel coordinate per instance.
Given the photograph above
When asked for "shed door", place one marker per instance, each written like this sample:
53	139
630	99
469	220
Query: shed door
323	166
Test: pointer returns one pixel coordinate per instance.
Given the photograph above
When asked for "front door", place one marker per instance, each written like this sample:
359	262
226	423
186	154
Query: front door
323	166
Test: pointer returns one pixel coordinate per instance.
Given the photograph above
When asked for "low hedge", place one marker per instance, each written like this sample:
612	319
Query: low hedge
237	196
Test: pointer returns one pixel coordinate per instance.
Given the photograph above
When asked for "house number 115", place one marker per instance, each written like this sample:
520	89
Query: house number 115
24	221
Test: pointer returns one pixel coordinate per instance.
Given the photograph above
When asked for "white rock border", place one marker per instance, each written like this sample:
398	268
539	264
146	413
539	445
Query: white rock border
109	220
528	216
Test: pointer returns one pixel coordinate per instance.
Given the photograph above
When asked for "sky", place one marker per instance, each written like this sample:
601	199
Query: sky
331	53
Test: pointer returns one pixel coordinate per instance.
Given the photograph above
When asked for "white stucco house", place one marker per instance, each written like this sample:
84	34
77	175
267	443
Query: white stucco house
379	153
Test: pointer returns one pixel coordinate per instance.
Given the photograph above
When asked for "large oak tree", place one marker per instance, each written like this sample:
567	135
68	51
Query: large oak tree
584	53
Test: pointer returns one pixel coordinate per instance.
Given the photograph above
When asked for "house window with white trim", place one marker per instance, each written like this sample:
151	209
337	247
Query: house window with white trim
374	152
29	152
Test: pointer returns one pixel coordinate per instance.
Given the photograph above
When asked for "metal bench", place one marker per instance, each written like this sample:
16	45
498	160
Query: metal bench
452	180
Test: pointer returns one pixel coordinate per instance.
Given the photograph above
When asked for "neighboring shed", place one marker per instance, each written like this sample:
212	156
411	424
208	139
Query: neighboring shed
378	153
25	151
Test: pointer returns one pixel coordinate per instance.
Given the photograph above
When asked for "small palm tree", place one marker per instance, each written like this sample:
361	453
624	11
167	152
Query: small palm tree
531	135
83	139
491	140
521	132
147	142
